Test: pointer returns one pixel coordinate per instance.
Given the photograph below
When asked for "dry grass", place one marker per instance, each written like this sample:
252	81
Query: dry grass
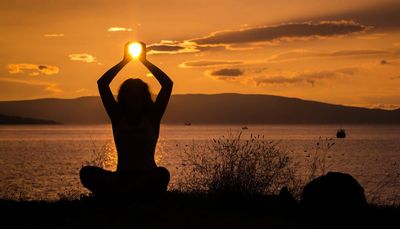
387	185
233	164
318	165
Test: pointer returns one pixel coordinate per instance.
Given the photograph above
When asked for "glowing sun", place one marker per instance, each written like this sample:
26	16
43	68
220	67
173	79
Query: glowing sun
135	49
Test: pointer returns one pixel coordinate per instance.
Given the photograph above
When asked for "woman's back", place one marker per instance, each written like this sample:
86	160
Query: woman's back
135	142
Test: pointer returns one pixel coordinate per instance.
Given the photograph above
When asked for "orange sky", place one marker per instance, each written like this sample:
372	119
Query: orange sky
339	51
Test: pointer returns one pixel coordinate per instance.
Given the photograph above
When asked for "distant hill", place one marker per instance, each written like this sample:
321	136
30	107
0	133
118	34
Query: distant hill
15	120
209	109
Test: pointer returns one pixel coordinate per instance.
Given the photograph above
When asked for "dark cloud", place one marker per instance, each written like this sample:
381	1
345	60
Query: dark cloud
287	31
208	63
252	75
381	16
395	78
300	54
358	52
301	78
391	62
277	80
384	62
232	72
246	38
172	47
164	48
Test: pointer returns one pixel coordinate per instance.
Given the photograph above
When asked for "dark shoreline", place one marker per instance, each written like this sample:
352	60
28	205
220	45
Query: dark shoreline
182	210
17	120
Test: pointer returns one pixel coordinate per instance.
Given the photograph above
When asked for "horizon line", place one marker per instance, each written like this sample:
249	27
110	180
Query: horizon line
214	94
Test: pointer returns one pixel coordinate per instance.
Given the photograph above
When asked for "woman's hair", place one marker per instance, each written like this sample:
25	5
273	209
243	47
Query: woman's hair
134	95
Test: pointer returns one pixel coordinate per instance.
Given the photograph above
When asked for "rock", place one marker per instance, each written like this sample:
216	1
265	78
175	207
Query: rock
332	191
286	197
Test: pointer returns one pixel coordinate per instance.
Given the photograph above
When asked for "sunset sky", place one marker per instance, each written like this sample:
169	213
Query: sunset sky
337	51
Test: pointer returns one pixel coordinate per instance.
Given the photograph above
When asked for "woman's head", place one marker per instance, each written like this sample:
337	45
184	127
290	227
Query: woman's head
134	96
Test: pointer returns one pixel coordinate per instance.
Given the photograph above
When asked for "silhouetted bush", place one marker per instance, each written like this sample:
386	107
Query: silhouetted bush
233	165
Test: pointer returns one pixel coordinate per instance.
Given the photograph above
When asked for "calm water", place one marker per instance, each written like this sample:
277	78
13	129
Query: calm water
42	162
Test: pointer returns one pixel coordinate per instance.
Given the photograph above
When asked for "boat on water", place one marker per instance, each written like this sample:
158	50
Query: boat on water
244	128
341	133
188	123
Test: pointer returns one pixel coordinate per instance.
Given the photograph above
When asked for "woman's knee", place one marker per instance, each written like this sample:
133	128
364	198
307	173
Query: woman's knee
163	175
87	174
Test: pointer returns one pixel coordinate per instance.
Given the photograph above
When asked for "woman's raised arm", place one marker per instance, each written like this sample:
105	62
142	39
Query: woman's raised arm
166	84
104	85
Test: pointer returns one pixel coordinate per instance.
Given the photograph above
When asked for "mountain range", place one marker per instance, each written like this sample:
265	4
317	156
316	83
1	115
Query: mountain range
208	109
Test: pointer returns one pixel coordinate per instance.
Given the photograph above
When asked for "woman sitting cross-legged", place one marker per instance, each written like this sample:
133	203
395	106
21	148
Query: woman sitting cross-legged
135	120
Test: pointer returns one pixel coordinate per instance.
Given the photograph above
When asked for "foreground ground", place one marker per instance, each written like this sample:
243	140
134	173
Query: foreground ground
177	210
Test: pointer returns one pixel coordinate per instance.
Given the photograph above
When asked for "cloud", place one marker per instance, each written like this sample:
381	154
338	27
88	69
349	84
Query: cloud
301	78
34	69
53	35
359	52
165	48
382	16
289	31
373	36
387	101
172	47
17	89
395	78
296	54
231	72
277	80
84	57
383	106
209	63
119	29
300	54
384	62
252	76
249	37
391	62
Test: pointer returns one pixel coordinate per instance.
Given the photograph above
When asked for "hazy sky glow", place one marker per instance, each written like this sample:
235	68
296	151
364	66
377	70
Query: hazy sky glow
339	51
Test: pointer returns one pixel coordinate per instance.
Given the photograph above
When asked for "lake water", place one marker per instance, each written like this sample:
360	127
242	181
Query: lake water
43	162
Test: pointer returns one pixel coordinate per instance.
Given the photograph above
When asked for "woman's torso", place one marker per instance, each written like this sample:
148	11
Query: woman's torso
135	143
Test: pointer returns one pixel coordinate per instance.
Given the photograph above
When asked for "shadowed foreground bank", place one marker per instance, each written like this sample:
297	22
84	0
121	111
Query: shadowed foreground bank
189	211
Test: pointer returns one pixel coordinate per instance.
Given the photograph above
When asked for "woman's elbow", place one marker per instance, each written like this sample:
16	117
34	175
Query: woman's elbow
101	82
170	84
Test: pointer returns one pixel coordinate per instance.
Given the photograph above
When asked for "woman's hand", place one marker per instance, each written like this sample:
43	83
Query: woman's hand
142	56
127	55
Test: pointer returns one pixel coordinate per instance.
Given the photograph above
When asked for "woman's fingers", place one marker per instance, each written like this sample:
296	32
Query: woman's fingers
127	56
143	53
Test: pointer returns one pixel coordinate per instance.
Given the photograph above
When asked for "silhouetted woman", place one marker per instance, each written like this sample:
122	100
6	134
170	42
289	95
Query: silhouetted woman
135	120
